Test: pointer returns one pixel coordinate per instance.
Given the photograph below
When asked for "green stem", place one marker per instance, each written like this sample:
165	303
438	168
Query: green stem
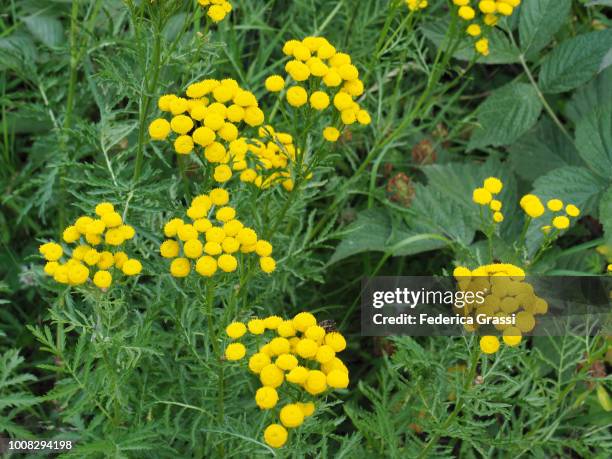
146	101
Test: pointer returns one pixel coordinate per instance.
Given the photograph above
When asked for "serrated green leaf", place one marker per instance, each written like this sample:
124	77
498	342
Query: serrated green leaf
540	20
445	205
598	93
542	149
605	214
507	114
573	185
575	61
46	29
374	231
594	141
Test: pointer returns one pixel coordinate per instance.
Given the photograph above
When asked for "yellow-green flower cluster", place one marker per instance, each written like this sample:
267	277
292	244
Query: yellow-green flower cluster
485	197
302	354
84	253
331	78
534	208
211	117
481	14
216	9
507	294
220	243
267	160
415	5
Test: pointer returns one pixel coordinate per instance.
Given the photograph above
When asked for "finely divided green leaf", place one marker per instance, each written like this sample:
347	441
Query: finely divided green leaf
506	115
540	20
575	61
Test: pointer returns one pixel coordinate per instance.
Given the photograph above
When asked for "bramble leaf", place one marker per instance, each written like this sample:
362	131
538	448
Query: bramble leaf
540	20
507	114
575	61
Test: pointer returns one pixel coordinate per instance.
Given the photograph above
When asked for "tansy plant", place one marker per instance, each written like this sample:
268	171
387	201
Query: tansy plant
209	246
93	244
297	365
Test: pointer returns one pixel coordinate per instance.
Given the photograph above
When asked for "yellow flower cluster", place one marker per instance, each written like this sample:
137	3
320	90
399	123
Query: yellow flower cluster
415	5
211	116
302	353
223	241
489	10
534	208
216	9
484	197
508	294
87	233
267	160
331	75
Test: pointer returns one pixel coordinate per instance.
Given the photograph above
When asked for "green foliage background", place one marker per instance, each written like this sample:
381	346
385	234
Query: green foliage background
135	374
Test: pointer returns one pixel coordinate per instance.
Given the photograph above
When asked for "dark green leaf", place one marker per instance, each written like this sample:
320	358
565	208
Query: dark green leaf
573	185
594	141
540	20
605	214
47	29
507	114
575	61
375	231
542	149
598	93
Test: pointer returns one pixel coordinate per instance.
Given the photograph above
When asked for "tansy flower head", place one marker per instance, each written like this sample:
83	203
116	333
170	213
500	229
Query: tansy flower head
216	10
268	160
489	344
415	5
92	243
532	206
208	246
572	210
482	196
300	355
507	293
